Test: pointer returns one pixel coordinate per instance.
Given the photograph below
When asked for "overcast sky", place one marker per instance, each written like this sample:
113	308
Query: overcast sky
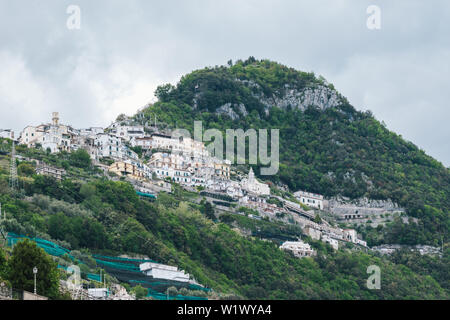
124	49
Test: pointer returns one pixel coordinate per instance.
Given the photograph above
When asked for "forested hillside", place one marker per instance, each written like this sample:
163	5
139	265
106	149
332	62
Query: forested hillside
326	145
106	217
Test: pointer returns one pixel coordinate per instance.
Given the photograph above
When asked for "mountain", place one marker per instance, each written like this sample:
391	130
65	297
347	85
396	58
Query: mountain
326	145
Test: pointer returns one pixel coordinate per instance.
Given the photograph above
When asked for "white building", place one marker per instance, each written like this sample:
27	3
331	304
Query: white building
57	173
145	142
128	132
251	184
99	293
333	242
310	199
7	134
54	136
361	242
162	271
92	131
298	248
109	145
350	235
183	145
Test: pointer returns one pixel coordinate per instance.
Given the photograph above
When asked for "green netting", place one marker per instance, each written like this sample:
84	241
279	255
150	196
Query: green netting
48	246
146	195
128	260
197	287
162	296
94	277
118	265
124	269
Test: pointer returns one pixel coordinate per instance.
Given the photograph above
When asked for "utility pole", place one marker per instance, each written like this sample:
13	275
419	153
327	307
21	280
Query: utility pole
13	182
35	270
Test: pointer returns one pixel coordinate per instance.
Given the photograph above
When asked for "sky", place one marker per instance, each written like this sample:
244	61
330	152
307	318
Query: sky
123	50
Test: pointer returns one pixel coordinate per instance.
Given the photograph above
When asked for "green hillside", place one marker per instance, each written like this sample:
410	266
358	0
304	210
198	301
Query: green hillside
329	148
108	218
335	150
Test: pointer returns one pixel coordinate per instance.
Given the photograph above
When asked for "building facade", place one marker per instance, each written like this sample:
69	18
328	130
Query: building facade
310	199
298	248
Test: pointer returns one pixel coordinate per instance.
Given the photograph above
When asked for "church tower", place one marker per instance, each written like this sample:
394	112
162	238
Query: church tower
55	118
251	176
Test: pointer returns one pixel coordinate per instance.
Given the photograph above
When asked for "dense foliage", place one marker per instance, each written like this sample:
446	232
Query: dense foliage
25	256
176	232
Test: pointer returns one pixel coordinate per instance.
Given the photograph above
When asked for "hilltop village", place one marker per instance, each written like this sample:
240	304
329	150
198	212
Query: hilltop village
152	160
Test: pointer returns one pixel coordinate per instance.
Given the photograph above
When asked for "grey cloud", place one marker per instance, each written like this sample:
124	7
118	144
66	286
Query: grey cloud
125	49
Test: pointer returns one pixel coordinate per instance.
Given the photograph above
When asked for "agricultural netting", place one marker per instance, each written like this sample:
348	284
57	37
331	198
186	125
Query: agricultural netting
124	269
51	248
162	296
127	270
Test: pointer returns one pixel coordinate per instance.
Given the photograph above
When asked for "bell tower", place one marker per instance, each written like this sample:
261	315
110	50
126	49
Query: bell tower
55	118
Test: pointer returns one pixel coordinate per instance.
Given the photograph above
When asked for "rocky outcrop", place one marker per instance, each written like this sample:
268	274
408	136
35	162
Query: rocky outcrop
228	109
362	206
422	249
320	96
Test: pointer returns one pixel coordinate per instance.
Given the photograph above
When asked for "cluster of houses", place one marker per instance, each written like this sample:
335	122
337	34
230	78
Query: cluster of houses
178	159
182	160
330	235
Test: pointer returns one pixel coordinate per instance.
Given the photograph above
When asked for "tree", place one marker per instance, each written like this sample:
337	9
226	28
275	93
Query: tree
208	210
80	159
172	291
163	92
140	292
25	256
317	219
121	117
25	169
2	264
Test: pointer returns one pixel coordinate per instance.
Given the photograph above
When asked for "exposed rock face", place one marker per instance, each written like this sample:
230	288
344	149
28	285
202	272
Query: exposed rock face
422	249
321	97
227	110
242	109
362	206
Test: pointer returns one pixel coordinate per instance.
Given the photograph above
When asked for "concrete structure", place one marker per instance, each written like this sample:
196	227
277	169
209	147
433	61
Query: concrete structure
128	132
130	169
44	169
310	199
7	134
333	242
99	293
350	235
312	232
144	142
92	131
31	296
162	271
298	248
222	169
